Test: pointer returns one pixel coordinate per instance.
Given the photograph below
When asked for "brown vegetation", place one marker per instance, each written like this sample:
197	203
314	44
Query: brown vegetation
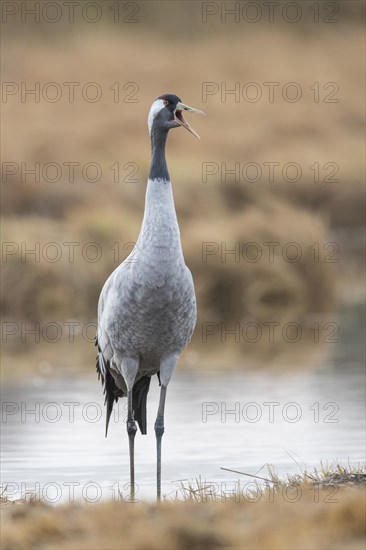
227	213
332	518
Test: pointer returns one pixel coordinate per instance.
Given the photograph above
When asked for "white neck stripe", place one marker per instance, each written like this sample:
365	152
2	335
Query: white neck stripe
156	107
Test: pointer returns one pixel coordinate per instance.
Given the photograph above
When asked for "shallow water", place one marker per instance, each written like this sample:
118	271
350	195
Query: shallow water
53	431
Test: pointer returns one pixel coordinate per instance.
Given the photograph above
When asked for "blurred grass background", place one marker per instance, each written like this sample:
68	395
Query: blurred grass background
169	49
264	519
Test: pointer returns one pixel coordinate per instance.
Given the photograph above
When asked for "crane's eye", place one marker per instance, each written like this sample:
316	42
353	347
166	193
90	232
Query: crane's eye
166	102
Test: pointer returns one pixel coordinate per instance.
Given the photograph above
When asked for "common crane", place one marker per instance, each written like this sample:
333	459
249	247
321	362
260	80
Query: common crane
147	307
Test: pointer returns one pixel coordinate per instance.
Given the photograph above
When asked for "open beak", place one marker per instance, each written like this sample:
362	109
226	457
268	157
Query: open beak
179	118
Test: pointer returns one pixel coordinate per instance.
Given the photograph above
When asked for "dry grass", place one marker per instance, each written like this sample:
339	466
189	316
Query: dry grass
268	479
298	513
229	213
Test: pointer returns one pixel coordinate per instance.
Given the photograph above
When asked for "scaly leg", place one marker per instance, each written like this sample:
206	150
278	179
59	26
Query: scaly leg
159	430
131	430
128	369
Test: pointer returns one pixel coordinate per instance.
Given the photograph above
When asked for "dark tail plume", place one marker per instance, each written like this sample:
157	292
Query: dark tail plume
110	398
111	391
139	396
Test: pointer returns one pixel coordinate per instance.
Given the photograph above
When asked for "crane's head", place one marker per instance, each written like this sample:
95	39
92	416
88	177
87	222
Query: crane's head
167	112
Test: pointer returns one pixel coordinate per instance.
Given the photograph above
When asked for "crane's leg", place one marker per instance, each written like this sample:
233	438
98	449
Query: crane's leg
131	430
166	370
159	430
129	368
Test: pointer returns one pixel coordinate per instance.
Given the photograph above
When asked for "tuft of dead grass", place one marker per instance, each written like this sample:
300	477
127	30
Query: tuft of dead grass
327	475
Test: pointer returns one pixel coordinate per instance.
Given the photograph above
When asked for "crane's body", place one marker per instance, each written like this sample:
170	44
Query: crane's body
147	307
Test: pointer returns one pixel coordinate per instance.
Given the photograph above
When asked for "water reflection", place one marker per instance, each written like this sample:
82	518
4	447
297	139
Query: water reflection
54	434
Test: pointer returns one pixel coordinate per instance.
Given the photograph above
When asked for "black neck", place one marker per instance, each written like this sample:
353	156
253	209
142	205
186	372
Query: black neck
158	167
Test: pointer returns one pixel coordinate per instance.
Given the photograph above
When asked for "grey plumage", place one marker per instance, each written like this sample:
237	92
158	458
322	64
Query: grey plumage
147	308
